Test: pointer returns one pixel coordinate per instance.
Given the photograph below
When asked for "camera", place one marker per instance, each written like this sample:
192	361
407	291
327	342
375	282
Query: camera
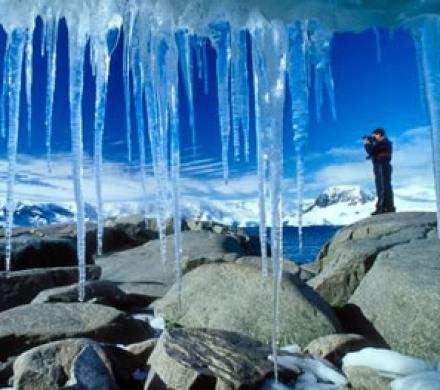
369	138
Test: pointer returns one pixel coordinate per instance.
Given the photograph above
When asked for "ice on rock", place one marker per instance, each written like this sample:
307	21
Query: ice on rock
389	363
420	381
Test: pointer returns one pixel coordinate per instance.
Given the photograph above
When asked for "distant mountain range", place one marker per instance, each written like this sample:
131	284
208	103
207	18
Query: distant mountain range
337	205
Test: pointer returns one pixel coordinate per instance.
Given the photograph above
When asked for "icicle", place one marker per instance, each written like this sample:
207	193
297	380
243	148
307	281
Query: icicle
28	72
102	70
320	57
15	59
260	88
4	87
171	63
199	58
297	70
77	45
128	36
235	94
378	45
186	66
240	93
138	85
271	43
205	67
221	40
431	68
417	39
51	48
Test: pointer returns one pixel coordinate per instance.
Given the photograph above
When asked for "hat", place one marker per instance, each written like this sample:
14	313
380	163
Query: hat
379	131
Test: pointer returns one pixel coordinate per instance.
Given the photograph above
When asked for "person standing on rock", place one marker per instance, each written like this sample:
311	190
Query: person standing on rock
379	149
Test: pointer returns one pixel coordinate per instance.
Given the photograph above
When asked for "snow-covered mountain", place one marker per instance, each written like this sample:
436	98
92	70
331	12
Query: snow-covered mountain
337	205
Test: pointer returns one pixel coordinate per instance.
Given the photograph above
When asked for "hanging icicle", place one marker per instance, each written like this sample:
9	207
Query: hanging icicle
51	37
271	42
183	40
77	46
126	68
29	75
297	71
430	40
15	60
205	67
222	44
5	84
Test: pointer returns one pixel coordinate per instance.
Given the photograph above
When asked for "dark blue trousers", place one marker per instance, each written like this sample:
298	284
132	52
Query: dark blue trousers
384	191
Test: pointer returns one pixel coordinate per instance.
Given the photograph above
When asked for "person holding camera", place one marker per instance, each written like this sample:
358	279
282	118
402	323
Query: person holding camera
379	149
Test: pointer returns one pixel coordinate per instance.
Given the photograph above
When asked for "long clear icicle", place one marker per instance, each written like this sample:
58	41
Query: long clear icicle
102	72
320	58
15	59
172	81
297	71
126	64
240	93
431	70
138	83
4	88
272	44
157	96
186	65
51	48
29	75
222	44
260	91
77	44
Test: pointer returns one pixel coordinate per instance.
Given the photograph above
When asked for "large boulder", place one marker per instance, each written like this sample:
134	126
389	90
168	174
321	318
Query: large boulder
27	326
20	287
205	359
234	297
140	270
49	366
400	298
345	260
33	251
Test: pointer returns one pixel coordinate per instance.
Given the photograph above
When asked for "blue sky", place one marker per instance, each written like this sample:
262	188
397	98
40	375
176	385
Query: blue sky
368	94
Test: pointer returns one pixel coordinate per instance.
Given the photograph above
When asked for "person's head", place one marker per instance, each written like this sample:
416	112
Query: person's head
378	134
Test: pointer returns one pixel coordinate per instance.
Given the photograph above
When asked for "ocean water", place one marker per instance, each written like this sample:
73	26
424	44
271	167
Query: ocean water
314	237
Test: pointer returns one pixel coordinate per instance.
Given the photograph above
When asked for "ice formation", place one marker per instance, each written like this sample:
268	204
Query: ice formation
283	38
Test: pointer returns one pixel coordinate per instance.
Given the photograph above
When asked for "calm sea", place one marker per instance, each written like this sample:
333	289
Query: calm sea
314	237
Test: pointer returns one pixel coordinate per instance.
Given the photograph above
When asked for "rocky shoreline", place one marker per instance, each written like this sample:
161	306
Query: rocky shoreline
374	289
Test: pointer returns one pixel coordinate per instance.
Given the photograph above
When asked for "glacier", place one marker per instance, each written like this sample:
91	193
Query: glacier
285	37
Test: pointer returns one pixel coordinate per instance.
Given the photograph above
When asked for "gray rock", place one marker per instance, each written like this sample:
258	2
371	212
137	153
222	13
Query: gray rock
400	298
345	260
142	350
27	326
32	251
48	366
101	292
333	347
233	297
140	270
7	372
364	378
91	370
207	359
20	287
